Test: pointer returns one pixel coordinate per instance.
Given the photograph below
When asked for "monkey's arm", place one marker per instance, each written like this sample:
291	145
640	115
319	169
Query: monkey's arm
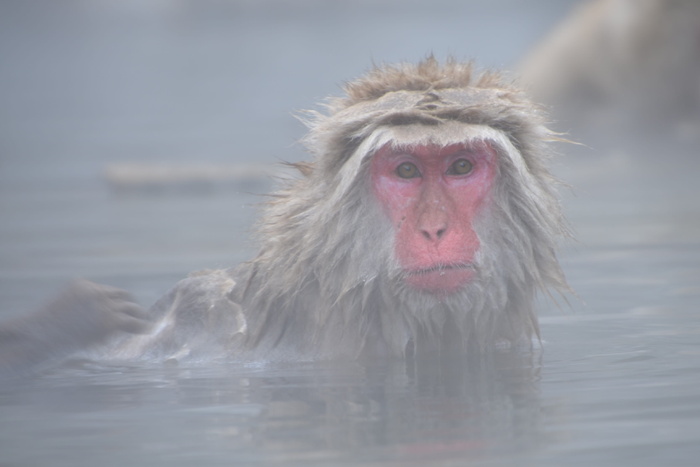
83	315
198	319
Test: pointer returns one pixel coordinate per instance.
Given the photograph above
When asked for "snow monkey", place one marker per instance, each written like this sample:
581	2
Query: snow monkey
426	221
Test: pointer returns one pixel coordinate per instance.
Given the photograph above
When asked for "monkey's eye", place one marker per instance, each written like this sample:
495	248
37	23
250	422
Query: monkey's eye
407	170
460	167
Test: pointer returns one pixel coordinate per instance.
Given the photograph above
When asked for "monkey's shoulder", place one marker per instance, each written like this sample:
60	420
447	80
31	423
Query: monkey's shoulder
201	299
196	318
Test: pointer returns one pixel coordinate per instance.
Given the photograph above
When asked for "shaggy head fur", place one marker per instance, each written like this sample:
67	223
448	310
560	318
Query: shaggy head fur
326	284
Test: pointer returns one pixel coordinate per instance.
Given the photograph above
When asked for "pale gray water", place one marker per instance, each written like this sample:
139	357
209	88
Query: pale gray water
87	84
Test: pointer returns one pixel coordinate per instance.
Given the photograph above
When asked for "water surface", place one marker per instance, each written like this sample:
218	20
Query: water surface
90	84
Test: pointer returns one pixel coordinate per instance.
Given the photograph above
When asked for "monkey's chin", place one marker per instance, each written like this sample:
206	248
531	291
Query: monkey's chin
440	280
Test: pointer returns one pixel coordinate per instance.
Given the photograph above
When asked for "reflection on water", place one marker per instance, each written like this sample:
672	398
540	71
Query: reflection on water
92	84
468	409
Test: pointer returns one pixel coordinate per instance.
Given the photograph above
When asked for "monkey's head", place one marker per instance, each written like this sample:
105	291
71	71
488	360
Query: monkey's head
431	180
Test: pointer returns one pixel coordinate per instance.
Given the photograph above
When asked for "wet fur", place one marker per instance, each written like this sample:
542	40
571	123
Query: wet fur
326	284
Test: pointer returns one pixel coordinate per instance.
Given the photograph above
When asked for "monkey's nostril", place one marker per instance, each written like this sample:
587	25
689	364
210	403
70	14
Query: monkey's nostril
438	234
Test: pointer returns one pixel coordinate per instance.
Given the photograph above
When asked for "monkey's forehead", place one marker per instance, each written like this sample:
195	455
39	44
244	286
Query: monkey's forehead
429	101
364	127
495	106
445	134
405	137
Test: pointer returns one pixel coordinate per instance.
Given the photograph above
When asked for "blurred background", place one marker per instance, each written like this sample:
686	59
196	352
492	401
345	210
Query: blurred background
137	137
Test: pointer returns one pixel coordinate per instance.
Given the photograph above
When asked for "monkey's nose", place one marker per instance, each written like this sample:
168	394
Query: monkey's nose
433	222
434	234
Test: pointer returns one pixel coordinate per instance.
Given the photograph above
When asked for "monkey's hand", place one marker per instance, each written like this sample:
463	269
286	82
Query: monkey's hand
84	315
91	312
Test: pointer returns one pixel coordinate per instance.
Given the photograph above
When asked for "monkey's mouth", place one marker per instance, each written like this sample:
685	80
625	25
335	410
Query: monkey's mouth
441	277
440	268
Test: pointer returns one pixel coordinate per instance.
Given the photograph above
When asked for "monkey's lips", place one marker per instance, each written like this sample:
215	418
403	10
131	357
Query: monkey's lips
440	278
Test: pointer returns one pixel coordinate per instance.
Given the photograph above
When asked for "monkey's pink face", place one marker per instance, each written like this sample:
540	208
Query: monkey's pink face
432	195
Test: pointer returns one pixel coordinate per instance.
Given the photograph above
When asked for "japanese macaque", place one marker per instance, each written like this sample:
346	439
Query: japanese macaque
426	223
